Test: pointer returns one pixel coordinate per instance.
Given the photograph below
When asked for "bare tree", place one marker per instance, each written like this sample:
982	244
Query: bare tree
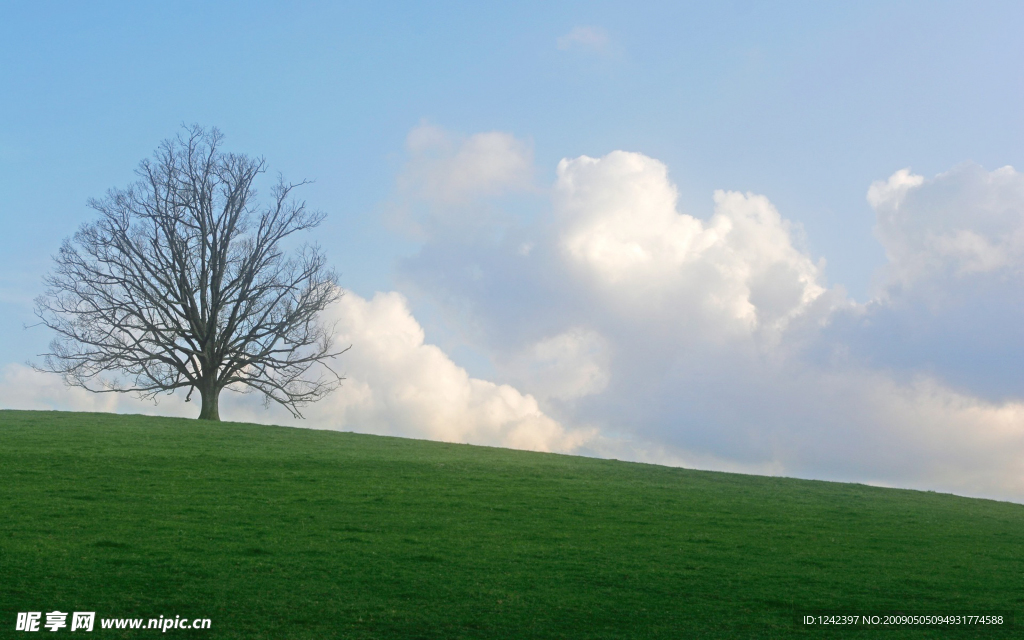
184	282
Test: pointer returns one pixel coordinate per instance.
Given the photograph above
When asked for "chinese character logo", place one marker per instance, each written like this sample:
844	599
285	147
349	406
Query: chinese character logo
83	620
80	620
28	621
56	620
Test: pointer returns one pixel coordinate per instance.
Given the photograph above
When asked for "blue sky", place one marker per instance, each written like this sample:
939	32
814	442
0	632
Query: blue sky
807	104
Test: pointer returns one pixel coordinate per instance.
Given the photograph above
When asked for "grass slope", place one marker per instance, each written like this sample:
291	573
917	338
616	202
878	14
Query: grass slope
293	533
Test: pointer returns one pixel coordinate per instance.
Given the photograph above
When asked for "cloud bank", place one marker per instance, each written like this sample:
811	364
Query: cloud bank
619	326
395	385
720	341
952	294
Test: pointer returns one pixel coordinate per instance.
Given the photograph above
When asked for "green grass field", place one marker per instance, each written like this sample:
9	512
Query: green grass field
291	533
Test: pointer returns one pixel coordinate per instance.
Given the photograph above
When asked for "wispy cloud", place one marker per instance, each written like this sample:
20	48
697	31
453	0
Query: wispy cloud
585	38
446	168
448	177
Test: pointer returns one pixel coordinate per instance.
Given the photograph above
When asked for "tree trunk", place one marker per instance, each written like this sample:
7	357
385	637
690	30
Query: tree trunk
211	397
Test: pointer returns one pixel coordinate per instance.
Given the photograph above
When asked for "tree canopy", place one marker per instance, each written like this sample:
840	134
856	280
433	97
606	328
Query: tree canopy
185	282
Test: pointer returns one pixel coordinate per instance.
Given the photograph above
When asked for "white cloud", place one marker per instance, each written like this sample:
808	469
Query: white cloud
951	297
447	179
22	387
917	433
447	169
396	385
962	222
620	230
889	193
587	38
687	339
566	366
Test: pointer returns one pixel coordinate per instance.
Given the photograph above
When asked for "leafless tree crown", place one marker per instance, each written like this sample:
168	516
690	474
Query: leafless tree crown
183	282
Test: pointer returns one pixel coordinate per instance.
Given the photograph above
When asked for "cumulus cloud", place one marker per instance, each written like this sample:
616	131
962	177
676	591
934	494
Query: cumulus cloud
620	231
402	386
951	297
718	342
587	38
961	223
396	384
652	290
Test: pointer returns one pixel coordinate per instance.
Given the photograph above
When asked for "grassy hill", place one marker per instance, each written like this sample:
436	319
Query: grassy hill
290	533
